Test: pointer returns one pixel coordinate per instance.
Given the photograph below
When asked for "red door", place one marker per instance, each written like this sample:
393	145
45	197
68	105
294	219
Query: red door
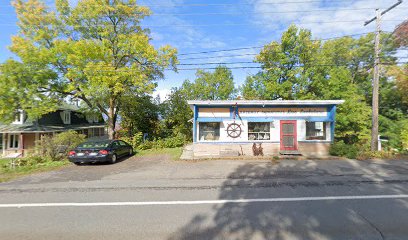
288	139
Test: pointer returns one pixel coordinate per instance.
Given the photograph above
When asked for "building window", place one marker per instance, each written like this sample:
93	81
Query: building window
19	117
14	140
315	131
259	131
66	117
209	131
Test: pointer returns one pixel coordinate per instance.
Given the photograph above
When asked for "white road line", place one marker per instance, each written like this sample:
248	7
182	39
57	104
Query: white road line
199	202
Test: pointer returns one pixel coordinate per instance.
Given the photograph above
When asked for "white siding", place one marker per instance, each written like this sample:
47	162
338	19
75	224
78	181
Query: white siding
301	130
275	131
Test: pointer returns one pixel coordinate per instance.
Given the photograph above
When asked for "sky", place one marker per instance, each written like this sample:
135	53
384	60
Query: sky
194	26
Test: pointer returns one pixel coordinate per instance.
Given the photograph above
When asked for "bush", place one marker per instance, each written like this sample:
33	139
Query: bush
57	147
404	136
365	155
344	150
170	142
134	141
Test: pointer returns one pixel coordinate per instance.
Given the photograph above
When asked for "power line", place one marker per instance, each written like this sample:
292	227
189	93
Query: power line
257	47
215	63
228	56
223	24
263	12
238	4
250	12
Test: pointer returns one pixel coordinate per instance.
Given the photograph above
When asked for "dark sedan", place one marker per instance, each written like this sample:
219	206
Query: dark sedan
100	151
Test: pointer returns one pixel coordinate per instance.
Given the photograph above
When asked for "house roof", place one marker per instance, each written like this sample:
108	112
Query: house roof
264	102
51	122
33	128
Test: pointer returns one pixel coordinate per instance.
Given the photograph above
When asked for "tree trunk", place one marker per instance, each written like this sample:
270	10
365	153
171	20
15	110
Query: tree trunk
111	120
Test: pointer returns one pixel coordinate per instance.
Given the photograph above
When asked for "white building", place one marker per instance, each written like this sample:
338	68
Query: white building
240	127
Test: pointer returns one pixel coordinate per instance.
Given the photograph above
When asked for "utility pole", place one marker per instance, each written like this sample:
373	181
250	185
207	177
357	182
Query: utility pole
376	77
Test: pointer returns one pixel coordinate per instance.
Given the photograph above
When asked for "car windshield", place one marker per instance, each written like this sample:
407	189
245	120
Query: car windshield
101	144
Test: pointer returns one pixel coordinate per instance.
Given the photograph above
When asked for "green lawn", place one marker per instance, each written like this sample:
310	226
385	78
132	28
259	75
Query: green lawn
7	173
175	153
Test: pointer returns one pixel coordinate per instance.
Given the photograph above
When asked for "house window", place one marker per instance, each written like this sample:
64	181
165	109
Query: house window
259	131
96	132
19	117
95	118
209	131
14	140
66	117
315	131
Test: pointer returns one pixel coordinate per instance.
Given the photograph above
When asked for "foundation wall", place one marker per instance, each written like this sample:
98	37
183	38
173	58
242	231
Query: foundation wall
314	149
209	150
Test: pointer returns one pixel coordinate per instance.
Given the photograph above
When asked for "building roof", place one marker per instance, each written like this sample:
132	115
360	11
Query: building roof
263	102
33	128
51	122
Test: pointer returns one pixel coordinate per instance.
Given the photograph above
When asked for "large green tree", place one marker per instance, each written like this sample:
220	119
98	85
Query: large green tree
139	114
298	67
177	115
216	85
95	51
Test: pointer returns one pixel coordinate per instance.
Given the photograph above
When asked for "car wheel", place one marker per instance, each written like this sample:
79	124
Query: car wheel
77	163
131	152
114	158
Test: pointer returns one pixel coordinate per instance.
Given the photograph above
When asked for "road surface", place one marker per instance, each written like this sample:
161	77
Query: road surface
156	198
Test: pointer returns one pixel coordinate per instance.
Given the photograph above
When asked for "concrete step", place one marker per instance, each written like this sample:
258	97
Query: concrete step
291	152
188	152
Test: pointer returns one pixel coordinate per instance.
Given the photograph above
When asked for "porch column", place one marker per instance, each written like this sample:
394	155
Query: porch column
195	123
36	140
4	144
21	144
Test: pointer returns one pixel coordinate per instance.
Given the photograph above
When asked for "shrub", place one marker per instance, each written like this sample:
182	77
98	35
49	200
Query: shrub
404	136
146	145
135	140
344	150
170	142
373	155
57	147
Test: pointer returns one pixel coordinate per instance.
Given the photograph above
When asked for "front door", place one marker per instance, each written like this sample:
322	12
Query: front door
288	140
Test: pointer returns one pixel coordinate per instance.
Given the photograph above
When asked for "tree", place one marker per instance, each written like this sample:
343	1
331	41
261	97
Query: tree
254	88
400	75
289	66
301	68
139	114
95	51
177	114
401	34
217	85
19	91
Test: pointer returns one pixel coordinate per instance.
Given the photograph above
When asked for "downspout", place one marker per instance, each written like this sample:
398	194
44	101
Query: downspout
333	118
195	124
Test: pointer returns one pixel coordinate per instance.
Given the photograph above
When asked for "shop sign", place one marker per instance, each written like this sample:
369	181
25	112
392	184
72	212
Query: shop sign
282	112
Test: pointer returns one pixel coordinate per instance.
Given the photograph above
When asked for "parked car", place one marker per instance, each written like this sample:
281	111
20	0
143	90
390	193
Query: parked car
100	151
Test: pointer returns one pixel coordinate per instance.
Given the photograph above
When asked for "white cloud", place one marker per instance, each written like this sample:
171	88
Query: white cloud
326	23
162	93
177	31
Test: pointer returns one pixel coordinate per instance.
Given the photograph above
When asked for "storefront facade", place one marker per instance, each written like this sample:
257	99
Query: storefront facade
233	128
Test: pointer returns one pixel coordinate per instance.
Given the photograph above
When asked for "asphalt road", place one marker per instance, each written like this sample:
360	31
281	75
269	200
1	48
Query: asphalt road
155	198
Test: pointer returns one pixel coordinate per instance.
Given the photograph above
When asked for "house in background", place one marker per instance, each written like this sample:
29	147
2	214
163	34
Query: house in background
19	137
